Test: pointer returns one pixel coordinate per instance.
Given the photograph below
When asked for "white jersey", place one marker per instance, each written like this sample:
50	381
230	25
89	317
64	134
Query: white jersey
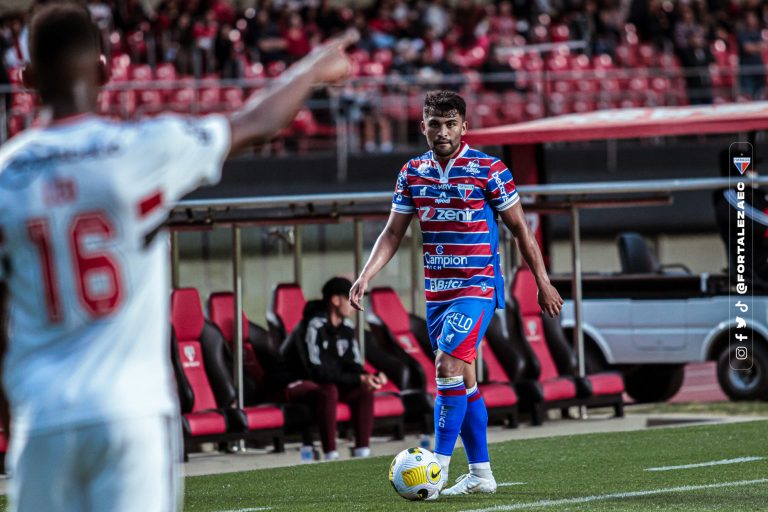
81	203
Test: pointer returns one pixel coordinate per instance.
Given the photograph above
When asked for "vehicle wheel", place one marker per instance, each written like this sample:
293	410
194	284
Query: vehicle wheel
653	382
747	379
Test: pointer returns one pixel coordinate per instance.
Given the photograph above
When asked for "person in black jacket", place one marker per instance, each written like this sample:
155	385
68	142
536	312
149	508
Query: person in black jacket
324	362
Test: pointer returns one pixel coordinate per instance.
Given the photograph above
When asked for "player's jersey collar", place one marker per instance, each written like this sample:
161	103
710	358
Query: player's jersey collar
444	173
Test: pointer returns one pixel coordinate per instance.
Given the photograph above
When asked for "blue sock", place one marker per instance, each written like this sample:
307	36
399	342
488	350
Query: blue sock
474	428
450	406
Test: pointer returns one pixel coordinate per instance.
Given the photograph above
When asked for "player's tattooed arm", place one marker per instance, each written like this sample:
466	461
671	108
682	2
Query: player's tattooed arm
267	112
5	416
549	299
383	250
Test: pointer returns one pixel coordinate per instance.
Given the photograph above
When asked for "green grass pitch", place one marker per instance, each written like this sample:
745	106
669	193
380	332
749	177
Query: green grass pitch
595	472
556	472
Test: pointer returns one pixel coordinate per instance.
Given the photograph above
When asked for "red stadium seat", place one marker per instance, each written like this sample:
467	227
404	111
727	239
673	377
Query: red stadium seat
512	108
550	361
232	97
206	391
3	450
182	100
394	329
140	73
166	72
210	99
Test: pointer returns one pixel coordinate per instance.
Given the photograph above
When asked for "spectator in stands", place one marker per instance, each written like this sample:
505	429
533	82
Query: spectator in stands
297	38
16	53
502	22
696	58
324	360
182	45
751	47
227	65
686	27
269	38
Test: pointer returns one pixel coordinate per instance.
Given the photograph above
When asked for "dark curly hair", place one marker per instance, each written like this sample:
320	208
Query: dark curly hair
444	102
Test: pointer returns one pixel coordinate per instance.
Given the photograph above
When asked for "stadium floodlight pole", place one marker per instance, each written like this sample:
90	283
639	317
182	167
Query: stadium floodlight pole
576	292
174	260
237	335
359	318
297	253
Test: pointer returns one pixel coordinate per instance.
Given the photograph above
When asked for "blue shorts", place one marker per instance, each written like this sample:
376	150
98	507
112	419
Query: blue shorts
457	327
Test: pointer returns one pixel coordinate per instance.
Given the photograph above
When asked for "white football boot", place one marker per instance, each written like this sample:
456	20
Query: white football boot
471	484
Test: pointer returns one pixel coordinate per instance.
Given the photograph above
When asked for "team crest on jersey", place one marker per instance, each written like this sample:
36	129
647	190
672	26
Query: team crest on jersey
465	190
473	167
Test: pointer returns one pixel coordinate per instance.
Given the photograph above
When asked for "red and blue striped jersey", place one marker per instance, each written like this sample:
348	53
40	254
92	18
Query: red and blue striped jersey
457	209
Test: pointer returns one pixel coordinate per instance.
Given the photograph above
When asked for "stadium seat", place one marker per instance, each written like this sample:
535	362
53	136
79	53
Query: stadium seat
284	311
258	354
550	362
3	450
388	409
206	391
406	336
637	257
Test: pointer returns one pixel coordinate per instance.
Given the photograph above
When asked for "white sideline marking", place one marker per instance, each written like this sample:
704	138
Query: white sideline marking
248	509
618	495
704	464
509	484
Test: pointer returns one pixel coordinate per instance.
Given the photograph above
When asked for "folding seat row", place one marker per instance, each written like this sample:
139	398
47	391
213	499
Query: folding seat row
207	394
549	380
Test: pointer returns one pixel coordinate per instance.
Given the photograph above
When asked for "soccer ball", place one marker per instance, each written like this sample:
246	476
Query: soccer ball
415	474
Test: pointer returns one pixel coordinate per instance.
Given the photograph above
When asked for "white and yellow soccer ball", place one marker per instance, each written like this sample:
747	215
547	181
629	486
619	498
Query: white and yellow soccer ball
415	474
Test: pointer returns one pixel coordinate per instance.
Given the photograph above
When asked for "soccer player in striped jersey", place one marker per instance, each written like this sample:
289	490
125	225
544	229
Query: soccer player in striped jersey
84	271
458	193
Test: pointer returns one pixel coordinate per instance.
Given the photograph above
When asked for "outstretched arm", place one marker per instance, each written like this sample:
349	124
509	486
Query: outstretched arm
385	247
267	112
514	218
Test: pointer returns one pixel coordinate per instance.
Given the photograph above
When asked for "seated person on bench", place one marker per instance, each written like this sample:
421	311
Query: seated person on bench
325	365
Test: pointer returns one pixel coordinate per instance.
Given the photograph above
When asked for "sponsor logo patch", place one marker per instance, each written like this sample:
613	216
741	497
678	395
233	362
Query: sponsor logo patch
430	212
473	167
459	322
439	285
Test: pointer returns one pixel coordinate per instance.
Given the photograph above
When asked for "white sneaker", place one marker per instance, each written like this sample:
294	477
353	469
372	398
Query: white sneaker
471	484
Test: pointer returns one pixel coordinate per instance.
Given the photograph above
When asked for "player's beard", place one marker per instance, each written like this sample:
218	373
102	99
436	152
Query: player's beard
442	152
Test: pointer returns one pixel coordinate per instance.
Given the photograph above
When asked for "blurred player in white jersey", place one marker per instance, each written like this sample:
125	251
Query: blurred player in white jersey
84	278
